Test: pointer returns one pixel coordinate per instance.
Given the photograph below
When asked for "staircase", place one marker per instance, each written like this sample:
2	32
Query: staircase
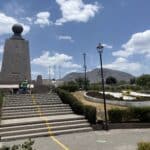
23	118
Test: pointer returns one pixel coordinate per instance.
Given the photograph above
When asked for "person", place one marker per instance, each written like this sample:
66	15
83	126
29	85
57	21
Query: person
24	86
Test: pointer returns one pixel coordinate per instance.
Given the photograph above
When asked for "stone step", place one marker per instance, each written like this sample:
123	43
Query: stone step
30	103
39	125
33	106
34	112
29	98
43	101
36	120
43	129
26	104
35	115
43	134
34	109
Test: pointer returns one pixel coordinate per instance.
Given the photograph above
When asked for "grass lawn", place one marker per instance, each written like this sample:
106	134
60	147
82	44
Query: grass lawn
99	106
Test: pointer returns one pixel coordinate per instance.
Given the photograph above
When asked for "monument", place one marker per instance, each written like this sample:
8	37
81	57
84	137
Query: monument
16	58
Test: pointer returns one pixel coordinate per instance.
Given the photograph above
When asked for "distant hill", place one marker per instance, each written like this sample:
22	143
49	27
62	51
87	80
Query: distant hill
94	76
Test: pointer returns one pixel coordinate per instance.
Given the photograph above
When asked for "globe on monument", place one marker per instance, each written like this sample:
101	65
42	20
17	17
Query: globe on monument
17	29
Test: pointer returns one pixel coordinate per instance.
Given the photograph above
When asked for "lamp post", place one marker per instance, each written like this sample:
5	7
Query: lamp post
84	66
100	50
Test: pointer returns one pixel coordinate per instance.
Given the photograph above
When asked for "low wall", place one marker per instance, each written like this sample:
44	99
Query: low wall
117	102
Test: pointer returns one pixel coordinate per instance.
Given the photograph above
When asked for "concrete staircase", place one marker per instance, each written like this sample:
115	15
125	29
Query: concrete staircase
21	117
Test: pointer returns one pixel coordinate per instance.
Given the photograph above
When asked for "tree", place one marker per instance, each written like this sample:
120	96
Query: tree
132	80
111	80
80	82
143	80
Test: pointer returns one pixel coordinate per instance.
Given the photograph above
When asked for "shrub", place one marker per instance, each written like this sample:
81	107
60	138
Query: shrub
141	113
70	86
142	98
90	113
77	106
144	146
27	145
124	115
116	115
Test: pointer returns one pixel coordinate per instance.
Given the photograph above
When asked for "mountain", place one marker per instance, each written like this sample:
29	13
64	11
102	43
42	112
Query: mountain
95	75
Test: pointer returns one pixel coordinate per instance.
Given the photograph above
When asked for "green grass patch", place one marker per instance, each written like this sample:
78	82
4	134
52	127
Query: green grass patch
144	146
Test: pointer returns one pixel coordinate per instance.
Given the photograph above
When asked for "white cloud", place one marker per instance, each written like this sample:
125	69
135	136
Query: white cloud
65	37
42	18
6	23
107	46
139	43
29	19
56	63
1	49
76	10
63	60
124	65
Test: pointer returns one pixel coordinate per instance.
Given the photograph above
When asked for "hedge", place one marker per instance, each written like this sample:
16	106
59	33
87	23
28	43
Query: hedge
77	106
124	115
118	115
144	146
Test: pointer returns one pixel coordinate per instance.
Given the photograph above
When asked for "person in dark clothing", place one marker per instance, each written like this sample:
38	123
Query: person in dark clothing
24	86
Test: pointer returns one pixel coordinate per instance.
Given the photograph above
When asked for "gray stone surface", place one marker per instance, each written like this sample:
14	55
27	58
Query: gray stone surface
99	140
16	58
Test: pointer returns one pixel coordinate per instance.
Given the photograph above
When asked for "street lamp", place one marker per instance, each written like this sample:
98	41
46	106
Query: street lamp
85	81
100	50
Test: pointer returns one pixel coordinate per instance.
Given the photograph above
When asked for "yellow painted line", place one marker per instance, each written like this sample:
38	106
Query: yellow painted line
48	126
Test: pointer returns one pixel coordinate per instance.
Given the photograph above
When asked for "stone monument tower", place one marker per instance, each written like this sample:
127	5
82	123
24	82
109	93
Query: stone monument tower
16	58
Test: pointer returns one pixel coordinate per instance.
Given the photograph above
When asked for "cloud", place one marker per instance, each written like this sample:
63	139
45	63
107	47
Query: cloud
107	46
124	65
62	60
6	23
139	43
65	37
1	49
42	18
29	19
56	63
76	10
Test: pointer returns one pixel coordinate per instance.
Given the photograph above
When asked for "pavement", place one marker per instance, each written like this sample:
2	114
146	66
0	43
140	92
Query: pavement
125	139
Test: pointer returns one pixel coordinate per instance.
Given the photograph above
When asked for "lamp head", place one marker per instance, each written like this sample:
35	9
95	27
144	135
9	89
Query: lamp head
100	47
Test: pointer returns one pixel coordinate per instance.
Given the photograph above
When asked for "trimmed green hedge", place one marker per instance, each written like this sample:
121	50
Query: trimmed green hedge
144	146
117	115
124	115
77	106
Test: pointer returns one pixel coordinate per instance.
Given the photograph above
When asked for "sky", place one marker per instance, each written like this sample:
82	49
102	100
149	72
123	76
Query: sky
60	31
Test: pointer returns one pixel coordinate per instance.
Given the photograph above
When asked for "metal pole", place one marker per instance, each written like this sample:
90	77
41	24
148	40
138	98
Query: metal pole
85	84
103	88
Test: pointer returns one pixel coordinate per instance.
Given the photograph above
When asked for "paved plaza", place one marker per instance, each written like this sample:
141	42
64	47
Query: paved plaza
125	139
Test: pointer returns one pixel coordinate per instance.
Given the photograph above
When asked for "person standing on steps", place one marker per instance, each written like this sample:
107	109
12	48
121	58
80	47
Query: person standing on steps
24	86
